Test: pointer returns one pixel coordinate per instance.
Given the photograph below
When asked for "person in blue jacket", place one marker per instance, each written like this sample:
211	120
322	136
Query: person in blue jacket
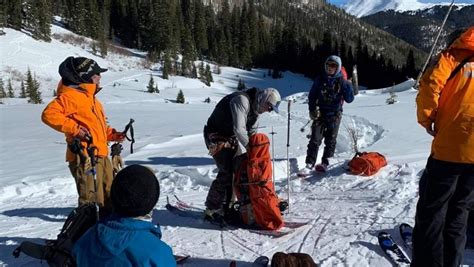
128	237
325	99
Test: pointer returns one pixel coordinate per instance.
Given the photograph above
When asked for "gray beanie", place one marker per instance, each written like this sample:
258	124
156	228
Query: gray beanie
335	59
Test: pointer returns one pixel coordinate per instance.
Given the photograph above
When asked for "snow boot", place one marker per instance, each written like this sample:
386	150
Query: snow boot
323	167
306	171
215	216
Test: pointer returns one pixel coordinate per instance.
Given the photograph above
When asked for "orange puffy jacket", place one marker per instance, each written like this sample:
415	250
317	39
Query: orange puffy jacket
79	106
450	104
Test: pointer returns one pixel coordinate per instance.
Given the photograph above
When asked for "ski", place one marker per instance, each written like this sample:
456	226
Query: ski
185	210
392	250
181	258
406	232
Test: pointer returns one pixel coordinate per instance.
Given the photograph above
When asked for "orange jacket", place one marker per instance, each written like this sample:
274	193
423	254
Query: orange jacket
78	106
450	104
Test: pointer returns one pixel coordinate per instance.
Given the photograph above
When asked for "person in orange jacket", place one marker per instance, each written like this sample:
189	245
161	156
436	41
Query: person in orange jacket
446	190
78	114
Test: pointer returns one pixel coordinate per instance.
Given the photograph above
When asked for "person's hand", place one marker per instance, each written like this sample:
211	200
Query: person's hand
83	133
315	114
430	129
118	137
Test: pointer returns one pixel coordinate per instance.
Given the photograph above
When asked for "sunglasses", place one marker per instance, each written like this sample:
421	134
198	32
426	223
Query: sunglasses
332	65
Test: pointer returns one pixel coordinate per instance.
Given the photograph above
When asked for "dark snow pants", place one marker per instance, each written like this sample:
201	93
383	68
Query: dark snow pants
220	192
470	230
325	128
446	194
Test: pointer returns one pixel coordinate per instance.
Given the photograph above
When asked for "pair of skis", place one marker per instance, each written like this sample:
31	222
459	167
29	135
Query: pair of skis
184	209
393	251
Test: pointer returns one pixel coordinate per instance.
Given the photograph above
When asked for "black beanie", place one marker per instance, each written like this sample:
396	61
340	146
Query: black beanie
135	191
77	70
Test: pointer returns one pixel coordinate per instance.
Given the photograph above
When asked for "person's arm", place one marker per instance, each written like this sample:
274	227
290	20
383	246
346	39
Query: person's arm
347	92
57	115
431	85
240	107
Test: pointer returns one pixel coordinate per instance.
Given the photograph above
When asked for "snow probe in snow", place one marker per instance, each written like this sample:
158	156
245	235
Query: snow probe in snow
288	157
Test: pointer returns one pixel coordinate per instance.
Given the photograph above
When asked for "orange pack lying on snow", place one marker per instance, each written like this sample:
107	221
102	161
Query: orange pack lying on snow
367	163
258	202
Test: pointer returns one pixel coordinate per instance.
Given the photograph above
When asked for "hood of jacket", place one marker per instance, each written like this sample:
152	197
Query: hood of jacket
465	41
115	235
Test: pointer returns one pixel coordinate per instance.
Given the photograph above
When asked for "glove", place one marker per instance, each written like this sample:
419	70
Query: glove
315	114
83	133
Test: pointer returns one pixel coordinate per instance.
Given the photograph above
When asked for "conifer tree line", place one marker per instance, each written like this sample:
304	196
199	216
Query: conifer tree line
253	33
30	90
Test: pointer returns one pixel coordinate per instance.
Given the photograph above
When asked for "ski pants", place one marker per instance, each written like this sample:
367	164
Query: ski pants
446	194
325	128
85	183
470	230
220	192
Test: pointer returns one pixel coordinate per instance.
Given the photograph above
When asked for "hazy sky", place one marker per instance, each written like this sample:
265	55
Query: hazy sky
339	2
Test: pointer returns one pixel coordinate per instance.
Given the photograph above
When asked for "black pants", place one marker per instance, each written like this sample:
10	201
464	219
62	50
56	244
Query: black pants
446	194
220	192
325	128
470	231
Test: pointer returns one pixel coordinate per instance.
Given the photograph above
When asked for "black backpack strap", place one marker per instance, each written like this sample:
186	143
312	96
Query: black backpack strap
459	67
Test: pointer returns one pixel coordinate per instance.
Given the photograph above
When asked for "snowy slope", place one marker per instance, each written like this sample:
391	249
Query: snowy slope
360	8
346	211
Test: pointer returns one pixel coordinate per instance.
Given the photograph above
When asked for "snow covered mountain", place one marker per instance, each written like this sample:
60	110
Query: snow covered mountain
360	8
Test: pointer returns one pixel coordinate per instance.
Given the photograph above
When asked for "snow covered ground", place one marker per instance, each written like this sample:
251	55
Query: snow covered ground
346	211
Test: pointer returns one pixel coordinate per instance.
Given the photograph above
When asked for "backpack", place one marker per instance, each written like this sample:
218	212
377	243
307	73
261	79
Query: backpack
281	259
367	163
58	253
257	202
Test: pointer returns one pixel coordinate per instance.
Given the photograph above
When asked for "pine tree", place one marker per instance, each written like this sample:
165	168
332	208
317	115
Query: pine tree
156	89
23	90
151	85
14	14
167	67
208	72
10	94
194	73
201	70
241	85
180	98
33	89
200	34
2	89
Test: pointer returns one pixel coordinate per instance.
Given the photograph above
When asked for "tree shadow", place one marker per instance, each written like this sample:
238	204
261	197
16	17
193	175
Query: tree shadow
174	162
46	214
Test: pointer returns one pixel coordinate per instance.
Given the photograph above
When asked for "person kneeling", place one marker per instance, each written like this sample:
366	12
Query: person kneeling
127	238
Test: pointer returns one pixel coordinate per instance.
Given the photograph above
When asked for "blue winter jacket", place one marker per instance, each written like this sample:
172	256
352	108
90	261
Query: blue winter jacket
123	242
329	97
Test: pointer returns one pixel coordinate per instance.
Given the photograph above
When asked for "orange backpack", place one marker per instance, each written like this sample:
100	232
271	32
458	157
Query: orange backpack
258	202
367	163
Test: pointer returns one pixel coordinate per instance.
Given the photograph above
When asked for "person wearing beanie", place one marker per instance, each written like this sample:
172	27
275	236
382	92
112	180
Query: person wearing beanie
78	114
128	237
325	99
226	135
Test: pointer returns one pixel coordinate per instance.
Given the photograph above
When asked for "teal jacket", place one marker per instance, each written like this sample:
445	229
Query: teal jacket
123	242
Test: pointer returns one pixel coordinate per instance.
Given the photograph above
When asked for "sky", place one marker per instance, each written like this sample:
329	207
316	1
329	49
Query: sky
345	212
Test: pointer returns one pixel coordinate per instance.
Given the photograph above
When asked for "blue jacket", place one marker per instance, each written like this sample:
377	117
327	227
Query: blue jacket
329	96
123	242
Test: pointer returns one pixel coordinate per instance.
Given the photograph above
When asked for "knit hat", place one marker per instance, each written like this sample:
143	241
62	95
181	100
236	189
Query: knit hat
336	60
271	97
79	70
135	191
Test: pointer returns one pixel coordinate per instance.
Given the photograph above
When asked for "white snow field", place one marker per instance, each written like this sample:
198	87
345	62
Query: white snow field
345	211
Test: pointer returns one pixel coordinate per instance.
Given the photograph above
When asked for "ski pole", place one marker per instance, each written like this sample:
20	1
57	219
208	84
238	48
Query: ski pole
288	156
129	126
304	126
433	47
273	156
90	152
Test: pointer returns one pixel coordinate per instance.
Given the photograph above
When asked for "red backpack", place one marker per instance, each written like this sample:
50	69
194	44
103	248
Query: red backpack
367	163
258	202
